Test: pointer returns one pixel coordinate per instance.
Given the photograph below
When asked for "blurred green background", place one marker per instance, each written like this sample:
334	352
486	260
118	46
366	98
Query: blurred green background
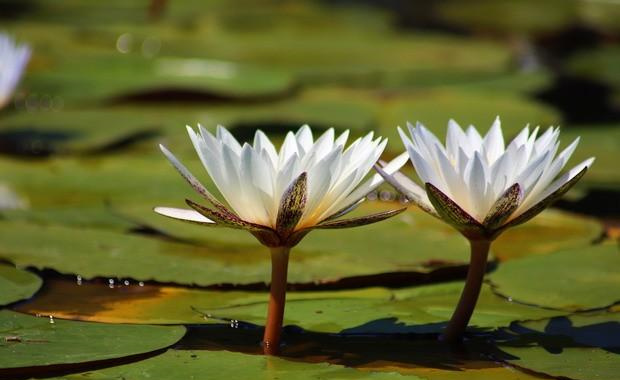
108	80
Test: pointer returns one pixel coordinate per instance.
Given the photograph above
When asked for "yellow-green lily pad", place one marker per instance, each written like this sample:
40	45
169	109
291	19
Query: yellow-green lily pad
422	309
570	279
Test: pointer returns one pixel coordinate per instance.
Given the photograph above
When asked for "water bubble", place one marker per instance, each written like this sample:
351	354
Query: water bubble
372	196
509	299
150	47
140	283
78	279
124	42
111	283
52	319
234	323
126	282
386	196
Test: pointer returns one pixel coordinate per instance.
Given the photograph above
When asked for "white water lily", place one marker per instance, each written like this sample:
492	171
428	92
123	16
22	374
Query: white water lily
481	186
13	60
279	196
276	194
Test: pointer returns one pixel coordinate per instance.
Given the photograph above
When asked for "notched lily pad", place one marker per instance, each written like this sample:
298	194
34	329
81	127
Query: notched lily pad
34	341
569	279
17	284
582	346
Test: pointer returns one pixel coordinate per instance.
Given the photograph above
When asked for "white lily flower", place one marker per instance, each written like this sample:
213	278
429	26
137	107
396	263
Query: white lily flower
281	195
13	61
481	186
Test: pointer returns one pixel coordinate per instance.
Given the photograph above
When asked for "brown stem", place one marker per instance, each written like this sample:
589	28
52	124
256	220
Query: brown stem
277	300
475	274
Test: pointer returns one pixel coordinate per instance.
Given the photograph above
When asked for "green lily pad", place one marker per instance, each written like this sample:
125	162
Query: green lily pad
570	279
17	284
34	341
422	309
581	347
411	242
104	77
178	364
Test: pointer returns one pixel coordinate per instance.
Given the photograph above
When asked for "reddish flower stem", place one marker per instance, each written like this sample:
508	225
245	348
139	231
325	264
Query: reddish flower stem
277	300
475	274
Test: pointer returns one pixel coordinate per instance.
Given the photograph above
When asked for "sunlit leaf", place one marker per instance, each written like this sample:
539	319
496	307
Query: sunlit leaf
35	341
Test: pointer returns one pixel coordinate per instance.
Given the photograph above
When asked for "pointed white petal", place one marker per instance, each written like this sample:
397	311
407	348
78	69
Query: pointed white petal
183	214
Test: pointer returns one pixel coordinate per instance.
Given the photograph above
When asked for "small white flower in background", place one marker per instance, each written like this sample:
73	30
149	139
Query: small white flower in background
10	200
279	196
479	185
13	60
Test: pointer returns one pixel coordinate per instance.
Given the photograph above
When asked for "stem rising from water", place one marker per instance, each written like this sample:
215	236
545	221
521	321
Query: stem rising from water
277	300
475	274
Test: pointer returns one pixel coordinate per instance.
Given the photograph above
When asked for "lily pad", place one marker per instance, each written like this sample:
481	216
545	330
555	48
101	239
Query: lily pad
570	279
17	284
556	230
35	341
180	364
579	347
423	309
105	77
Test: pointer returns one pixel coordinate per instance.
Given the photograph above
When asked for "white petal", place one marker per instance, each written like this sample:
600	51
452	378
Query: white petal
494	142
477	187
182	214
263	144
455	140
304	138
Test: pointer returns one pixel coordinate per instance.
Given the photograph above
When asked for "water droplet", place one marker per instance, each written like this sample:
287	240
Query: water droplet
234	323
509	299
111	283
52	319
140	283
126	282
78	279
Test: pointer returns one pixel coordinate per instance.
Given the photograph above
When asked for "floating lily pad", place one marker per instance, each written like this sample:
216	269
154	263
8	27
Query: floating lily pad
221	259
423	309
17	284
571	279
554	230
34	341
579	347
178	364
105	77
